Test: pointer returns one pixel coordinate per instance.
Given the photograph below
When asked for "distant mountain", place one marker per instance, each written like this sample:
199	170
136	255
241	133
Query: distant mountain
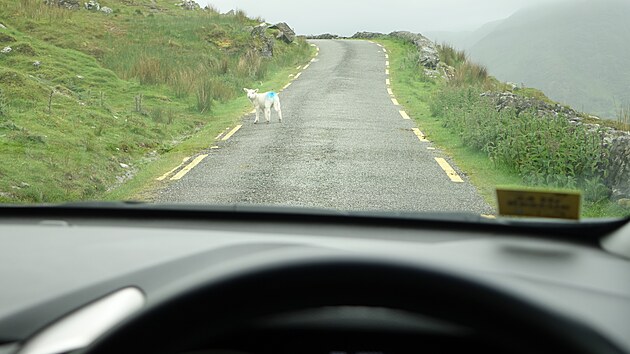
465	39
577	52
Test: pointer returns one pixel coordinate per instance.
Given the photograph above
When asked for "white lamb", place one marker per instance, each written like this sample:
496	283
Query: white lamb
264	100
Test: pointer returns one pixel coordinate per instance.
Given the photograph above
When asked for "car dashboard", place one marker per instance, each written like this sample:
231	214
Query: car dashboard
56	263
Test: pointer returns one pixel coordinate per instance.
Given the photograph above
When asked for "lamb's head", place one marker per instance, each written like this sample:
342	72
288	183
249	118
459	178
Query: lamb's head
251	94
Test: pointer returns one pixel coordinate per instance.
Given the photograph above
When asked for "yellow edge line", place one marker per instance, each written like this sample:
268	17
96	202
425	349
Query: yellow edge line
162	177
450	172
384	50
232	132
420	135
386	62
390	91
285	86
306	66
395	101
404	115
386	71
387	82
386	56
297	75
190	166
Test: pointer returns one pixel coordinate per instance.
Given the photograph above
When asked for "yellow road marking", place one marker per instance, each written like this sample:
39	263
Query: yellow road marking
298	68
488	216
387	82
190	166
394	101
390	91
313	45
313	60
386	56
420	135
404	115
384	50
450	172
306	66
229	135
287	85
298	75
387	63
386	71
162	177
430	148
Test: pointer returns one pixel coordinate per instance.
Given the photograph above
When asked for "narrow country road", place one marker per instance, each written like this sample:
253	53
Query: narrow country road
343	144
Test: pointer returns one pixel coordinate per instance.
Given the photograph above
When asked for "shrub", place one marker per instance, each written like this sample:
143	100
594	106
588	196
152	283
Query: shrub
544	150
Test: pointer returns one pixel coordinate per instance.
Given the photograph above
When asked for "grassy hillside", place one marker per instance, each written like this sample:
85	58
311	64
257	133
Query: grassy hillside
113	92
576	52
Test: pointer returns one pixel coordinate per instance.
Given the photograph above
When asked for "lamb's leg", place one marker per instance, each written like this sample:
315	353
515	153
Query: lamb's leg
257	113
268	114
276	106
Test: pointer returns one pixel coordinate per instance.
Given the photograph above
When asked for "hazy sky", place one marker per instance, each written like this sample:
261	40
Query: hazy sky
345	17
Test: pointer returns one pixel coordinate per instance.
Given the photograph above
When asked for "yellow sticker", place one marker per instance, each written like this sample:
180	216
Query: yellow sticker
539	203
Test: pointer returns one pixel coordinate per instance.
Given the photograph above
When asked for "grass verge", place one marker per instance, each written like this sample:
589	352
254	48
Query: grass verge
416	93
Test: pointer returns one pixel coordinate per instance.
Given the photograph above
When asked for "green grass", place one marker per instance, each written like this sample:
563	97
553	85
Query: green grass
418	94
120	89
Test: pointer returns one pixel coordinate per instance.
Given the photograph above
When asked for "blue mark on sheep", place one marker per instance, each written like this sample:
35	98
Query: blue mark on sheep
272	95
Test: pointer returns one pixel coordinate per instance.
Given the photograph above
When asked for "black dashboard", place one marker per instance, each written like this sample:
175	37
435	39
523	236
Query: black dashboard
275	282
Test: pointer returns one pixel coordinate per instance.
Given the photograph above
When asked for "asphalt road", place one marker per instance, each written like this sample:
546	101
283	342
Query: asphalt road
342	144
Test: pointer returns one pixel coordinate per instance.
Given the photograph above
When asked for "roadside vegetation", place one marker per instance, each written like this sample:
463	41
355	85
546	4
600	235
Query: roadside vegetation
500	148
88	99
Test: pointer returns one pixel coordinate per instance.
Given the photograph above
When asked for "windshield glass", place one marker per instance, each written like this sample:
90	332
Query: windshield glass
412	106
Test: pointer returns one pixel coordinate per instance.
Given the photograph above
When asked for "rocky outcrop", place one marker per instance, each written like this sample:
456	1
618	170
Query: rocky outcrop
617	141
189	5
429	55
264	41
503	100
286	34
68	4
323	36
92	5
367	35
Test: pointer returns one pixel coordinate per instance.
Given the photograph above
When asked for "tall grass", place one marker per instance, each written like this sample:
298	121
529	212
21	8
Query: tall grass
623	117
211	55
204	96
4	107
451	56
38	10
467	73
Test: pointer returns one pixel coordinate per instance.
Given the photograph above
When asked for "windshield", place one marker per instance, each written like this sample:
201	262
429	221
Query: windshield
404	106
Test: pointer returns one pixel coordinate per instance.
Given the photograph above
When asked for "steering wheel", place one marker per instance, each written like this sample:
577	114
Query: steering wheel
219	304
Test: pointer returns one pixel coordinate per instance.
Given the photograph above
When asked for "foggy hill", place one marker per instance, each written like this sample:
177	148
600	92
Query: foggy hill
577	52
